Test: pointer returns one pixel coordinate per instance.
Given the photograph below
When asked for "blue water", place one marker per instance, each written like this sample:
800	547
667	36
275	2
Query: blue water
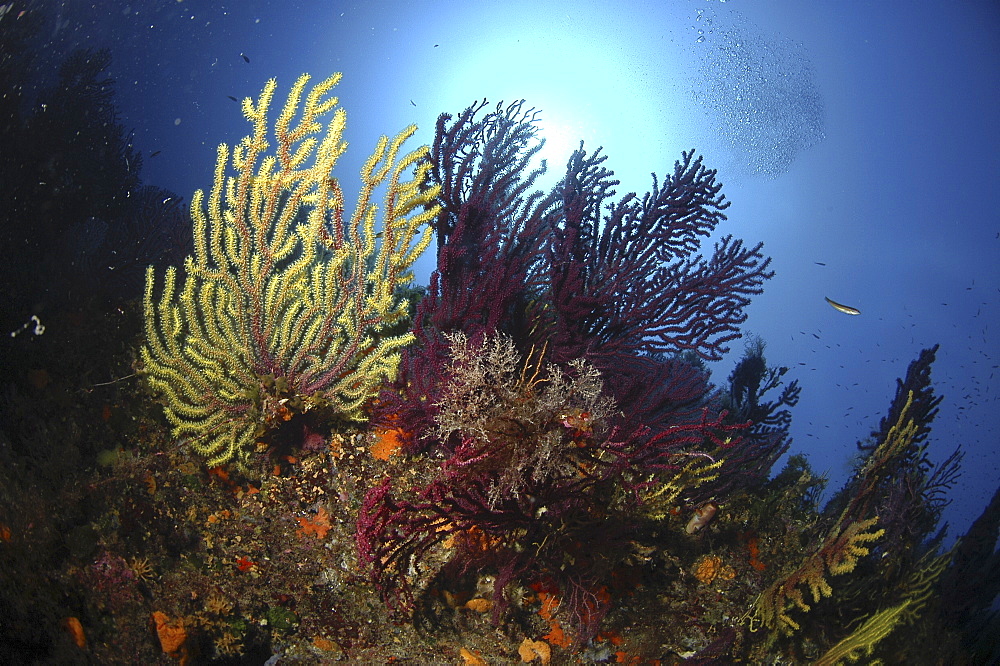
859	141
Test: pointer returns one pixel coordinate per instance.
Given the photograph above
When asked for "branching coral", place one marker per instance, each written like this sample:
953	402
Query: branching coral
522	459
866	637
517	418
970	586
630	280
878	626
838	555
898	457
490	230
751	382
625	291
843	545
285	300
896	478
660	497
548	293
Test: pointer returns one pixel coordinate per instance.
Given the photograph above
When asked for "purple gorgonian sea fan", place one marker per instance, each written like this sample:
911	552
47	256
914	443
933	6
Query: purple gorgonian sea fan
629	291
490	231
619	283
571	277
535	478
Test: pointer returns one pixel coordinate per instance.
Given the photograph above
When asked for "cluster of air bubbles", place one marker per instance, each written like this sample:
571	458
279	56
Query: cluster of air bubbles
707	19
759	94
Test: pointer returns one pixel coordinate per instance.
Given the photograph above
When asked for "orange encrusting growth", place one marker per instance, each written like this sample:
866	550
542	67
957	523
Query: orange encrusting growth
172	635
556	636
710	567
75	629
388	442
530	651
470	658
317	526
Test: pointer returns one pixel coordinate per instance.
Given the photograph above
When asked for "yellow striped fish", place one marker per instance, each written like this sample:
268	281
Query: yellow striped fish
846	309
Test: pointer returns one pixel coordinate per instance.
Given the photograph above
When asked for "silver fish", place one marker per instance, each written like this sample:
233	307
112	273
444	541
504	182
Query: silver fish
846	309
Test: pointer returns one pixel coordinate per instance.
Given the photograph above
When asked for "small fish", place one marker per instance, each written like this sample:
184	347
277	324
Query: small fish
435	46
846	309
154	154
413	103
245	58
232	98
819	263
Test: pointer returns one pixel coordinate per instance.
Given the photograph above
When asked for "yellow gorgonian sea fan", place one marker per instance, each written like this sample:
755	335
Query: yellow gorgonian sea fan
285	303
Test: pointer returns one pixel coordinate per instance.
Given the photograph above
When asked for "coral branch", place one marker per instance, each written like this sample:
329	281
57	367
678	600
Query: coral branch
838	555
284	304
631	282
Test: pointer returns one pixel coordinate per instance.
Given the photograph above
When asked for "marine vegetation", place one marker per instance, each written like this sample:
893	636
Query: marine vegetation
619	283
537	477
547	473
284	300
533	294
553	400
